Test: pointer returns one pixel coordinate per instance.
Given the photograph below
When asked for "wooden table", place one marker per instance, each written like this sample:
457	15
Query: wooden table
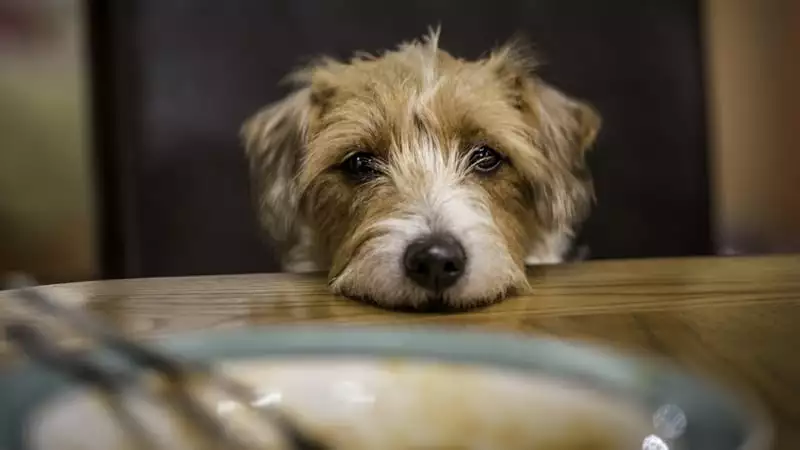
737	319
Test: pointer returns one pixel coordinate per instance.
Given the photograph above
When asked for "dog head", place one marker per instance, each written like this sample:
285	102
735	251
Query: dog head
416	176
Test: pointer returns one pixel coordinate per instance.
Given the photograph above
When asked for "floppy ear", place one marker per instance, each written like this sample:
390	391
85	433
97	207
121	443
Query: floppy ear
568	126
563	129
274	140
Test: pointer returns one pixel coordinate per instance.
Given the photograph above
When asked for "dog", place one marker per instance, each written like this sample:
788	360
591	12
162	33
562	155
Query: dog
414	177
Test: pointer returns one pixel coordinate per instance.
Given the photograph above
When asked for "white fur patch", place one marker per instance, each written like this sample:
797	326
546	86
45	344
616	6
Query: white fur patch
550	250
302	258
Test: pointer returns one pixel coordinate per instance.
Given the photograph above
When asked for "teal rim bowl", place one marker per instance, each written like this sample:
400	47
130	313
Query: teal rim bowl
715	418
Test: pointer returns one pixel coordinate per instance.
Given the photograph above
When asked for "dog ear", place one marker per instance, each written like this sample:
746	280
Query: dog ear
274	140
568	127
563	129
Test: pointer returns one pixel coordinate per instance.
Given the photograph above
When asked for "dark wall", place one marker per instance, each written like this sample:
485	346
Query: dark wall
175	79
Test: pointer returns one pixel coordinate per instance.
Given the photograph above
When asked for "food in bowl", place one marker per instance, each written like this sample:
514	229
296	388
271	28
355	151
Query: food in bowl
391	405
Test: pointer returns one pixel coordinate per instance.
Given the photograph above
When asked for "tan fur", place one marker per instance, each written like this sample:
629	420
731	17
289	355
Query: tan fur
421	111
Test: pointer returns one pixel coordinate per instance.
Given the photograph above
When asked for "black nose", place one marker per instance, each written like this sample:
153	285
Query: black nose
435	262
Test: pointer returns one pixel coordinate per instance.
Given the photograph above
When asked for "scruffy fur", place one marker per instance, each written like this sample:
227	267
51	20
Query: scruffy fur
421	111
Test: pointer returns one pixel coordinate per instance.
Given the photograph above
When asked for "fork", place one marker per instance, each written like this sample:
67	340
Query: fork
178	375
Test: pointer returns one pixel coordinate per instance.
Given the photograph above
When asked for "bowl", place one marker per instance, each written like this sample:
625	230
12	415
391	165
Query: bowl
369	388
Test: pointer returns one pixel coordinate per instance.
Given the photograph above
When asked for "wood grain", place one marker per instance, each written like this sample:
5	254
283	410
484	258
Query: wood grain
736	319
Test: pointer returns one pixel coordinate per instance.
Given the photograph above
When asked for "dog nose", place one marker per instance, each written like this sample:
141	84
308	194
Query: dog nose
435	262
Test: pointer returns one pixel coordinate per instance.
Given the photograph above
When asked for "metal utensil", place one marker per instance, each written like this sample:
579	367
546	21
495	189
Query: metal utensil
178	375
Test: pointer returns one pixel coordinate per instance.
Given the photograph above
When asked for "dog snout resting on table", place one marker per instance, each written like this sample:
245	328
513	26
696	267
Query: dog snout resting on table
416	177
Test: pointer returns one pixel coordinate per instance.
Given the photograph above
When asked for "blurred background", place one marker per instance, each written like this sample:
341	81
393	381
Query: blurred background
118	120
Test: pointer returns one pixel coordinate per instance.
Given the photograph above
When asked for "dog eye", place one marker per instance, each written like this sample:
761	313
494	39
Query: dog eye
484	159
360	166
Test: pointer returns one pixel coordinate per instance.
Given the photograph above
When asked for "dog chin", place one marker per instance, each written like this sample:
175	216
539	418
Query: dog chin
378	278
422	301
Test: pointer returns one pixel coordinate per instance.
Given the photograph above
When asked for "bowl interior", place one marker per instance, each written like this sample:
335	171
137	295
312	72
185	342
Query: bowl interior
426	389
